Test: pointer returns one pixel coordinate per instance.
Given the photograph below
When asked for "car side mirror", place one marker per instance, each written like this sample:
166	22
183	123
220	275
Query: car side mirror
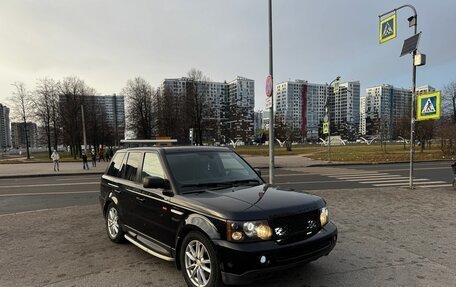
153	182
258	171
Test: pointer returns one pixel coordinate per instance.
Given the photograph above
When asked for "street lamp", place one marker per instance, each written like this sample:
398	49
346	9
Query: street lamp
328	117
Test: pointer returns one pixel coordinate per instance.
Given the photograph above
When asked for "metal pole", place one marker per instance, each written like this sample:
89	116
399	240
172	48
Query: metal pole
84	130
412	121
271	117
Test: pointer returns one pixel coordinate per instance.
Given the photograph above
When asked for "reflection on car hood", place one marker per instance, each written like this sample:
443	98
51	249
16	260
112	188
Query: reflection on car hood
258	202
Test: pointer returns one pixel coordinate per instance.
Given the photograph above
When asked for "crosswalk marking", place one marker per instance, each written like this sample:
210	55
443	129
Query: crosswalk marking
395	180
357	178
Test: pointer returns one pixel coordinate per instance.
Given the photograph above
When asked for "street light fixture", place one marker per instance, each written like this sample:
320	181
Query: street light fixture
328	116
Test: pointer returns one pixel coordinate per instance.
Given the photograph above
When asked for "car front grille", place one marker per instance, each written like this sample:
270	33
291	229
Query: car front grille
297	227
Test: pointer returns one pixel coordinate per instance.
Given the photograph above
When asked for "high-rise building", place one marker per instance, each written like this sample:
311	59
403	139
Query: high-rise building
300	105
241	103
18	134
345	109
385	108
108	112
114	107
5	132
227	108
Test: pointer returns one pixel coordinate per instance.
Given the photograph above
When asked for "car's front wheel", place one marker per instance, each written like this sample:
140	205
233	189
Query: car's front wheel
199	261
115	232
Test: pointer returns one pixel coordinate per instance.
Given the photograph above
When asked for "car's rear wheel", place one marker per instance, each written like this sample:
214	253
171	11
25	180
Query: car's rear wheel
200	266
115	232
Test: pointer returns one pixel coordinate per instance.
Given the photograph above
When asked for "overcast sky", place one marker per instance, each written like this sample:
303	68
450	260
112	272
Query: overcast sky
105	43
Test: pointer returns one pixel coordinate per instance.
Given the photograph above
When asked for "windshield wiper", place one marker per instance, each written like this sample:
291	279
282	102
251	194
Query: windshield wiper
202	187
241	182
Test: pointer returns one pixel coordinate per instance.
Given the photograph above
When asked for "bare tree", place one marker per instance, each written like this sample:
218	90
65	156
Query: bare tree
195	102
73	93
21	106
45	101
449	98
138	93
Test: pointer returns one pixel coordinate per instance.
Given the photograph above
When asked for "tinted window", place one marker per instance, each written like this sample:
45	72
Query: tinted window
152	166
131	167
208	167
115	165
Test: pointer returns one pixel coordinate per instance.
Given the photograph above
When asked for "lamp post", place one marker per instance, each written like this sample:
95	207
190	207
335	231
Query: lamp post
413	21
271	116
328	116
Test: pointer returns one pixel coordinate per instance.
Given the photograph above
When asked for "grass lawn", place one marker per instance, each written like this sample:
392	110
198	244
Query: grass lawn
349	153
37	157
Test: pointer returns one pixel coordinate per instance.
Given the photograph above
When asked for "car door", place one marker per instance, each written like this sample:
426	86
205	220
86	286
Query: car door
130	190
154	209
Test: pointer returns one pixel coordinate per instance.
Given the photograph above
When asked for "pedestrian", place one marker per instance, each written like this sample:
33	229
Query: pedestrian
55	158
94	159
85	164
100	155
107	155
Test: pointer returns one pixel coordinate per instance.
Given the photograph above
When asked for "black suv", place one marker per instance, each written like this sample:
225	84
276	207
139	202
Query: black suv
209	211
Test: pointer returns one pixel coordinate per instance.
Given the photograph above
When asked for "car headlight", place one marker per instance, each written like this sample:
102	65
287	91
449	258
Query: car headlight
248	231
324	216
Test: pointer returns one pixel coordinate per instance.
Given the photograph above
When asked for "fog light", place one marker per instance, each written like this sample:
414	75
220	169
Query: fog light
263	259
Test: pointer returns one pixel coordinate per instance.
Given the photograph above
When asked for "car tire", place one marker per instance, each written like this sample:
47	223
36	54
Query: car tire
199	262
113	228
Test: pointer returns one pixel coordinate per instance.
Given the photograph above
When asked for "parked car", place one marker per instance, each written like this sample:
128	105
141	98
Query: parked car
209	211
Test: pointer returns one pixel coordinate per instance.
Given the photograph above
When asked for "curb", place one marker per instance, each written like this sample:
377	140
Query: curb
377	163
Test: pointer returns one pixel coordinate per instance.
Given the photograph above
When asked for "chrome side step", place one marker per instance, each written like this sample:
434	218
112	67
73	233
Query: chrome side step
148	250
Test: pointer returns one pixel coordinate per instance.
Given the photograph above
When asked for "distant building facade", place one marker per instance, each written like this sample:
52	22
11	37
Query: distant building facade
19	133
386	108
228	108
5	131
114	107
302	106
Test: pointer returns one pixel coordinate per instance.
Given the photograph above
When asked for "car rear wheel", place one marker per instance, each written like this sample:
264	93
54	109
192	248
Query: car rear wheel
200	266
114	230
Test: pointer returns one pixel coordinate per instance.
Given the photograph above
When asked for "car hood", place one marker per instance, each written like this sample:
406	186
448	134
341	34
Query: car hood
254	203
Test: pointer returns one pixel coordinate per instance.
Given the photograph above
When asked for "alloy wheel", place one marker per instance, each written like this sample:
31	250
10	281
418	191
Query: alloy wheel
113	222
197	263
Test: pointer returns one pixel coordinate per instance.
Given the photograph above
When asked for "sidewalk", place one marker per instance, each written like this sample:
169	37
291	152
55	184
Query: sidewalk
75	168
46	169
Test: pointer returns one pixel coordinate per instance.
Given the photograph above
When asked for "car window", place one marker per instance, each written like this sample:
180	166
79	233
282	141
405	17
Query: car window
232	166
208	167
115	165
131	167
152	166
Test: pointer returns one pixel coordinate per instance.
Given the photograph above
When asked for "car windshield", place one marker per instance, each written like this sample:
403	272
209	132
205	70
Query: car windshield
210	170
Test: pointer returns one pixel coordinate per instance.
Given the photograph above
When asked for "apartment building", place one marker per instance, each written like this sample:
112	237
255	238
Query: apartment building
5	131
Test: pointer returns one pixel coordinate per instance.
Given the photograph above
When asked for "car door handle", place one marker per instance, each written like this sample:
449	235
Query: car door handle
140	198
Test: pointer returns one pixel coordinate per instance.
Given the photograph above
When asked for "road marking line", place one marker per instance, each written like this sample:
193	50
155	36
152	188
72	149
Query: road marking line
50	184
347	173
395	180
284	175
402	184
375	178
47	193
370	176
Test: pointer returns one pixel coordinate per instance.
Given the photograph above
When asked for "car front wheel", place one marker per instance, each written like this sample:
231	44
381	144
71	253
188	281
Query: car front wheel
115	232
199	261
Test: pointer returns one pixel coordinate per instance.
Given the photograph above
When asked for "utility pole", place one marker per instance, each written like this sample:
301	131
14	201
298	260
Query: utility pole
271	118
84	130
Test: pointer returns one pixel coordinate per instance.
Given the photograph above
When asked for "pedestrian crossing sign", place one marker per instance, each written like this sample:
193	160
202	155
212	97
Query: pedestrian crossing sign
388	28
326	128
428	106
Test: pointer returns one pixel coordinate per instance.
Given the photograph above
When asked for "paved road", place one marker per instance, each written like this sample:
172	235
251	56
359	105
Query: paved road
35	193
387	237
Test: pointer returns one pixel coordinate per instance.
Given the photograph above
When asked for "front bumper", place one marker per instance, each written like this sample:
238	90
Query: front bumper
241	261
